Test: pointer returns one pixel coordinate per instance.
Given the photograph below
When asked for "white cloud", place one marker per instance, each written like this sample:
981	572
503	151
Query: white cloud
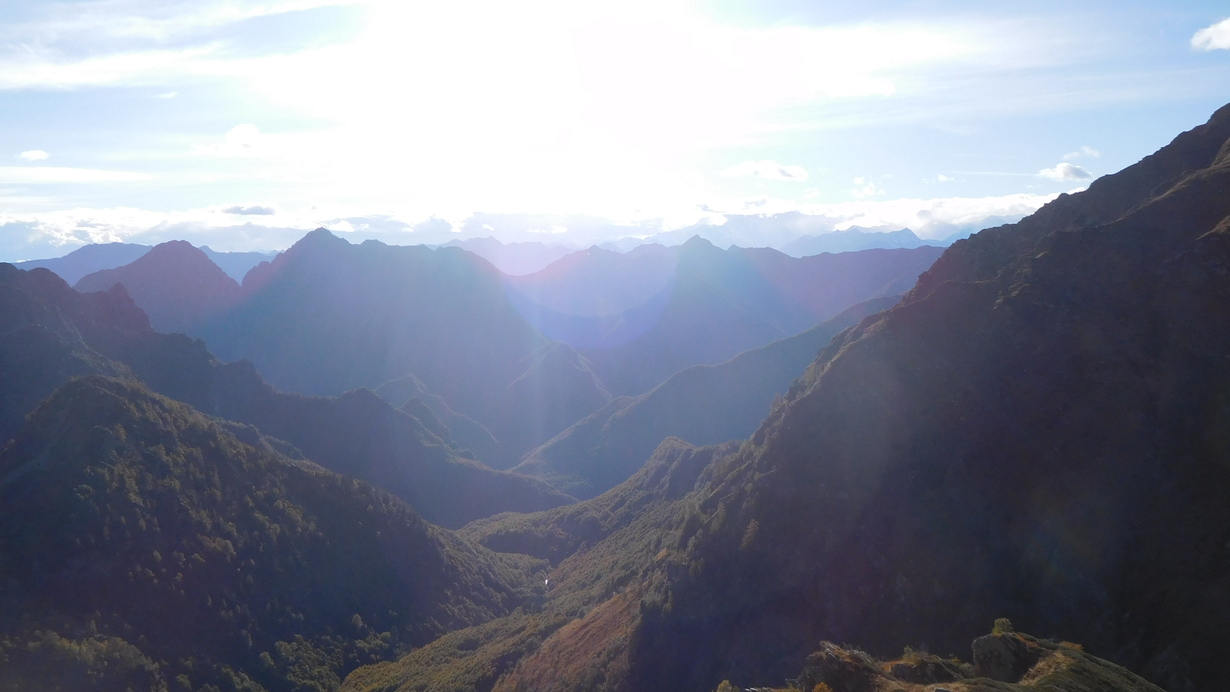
866	188
1065	171
35	155
1215	37
53	174
242	141
941	178
253	210
1089	152
769	169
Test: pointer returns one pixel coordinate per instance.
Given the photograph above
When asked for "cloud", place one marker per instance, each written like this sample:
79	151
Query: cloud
941	178
1083	151
866	188
1065	171
769	169
51	174
253	210
1216	37
35	155
243	141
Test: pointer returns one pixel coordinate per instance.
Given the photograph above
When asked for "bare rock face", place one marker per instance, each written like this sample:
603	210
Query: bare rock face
848	670
1004	661
1004	656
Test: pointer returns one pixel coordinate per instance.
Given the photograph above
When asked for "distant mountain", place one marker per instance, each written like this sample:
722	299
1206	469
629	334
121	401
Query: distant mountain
146	546
88	259
468	433
1036	432
326	316
52	333
513	258
703	404
854	239
642	316
176	284
237	264
752	230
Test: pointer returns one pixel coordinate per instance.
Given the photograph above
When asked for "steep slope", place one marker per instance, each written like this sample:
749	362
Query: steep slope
466	432
1045	441
143	546
88	259
327	316
639	317
703	404
45	328
175	284
1038	435
602	550
50	333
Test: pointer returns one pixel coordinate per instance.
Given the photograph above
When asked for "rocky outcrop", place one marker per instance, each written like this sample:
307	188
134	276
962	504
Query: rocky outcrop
1004	661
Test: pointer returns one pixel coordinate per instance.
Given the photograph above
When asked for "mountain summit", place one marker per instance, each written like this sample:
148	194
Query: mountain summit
176	284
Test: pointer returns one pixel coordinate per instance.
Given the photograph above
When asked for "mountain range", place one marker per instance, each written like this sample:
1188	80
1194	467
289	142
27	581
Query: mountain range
53	333
1035	432
639	317
1034	436
855	239
99	256
695	404
511	360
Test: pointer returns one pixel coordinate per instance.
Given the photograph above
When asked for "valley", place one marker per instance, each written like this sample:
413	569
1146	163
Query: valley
373	467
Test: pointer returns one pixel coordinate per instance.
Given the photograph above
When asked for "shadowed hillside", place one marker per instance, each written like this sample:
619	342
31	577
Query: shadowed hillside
52	333
327	316
704	404
642	316
145	547
1037	431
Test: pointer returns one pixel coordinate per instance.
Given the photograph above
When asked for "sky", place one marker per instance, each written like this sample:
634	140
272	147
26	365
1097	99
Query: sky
243	125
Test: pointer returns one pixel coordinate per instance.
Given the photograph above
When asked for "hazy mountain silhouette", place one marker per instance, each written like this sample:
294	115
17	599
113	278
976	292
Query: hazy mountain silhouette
1037	431
703	404
326	316
513	259
146	546
237	264
52	333
466	432
854	239
176	284
88	259
640	317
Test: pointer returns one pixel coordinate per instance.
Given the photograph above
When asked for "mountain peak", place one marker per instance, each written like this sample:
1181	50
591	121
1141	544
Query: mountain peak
321	236
697	243
175	283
